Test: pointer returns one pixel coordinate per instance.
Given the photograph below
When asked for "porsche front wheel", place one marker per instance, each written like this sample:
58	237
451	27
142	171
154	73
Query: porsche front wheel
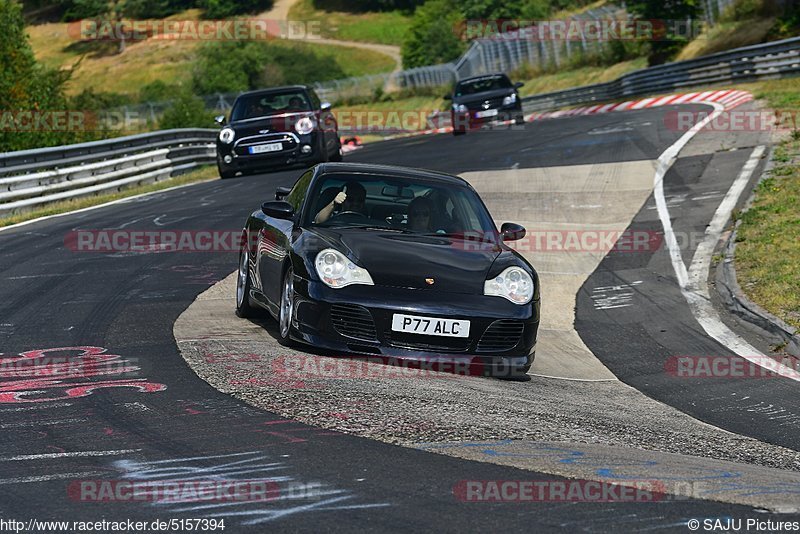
287	307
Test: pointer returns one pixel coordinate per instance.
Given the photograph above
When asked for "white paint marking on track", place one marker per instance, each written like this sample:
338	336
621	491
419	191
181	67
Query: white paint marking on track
78	454
45	478
42	423
693	281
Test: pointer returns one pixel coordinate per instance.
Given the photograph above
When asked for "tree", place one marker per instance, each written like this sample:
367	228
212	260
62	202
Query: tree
26	87
435	34
667	16
186	111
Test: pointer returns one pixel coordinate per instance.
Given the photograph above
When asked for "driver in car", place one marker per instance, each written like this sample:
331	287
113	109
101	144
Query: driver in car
353	198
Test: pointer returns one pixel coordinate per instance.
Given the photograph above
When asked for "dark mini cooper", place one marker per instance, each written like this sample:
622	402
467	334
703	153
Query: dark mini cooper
484	99
390	261
281	126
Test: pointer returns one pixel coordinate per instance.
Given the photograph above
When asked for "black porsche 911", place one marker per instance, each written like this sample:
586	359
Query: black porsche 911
277	127
484	99
381	260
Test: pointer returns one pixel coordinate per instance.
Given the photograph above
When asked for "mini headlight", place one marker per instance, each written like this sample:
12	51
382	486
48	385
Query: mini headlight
510	99
226	135
459	108
305	125
335	270
513	284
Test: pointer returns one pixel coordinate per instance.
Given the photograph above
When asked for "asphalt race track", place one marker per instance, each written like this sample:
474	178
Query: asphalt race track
132	409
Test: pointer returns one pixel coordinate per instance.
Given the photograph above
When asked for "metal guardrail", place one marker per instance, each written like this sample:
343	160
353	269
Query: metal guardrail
777	59
33	178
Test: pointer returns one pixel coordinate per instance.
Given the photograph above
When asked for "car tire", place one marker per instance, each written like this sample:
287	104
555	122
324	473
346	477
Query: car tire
519	120
286	308
459	132
224	173
244	308
337	155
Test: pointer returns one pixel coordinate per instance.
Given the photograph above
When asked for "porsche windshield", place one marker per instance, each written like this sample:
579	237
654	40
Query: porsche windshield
264	104
398	204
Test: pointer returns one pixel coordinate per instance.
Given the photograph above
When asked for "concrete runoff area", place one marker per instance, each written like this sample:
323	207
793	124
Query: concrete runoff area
572	398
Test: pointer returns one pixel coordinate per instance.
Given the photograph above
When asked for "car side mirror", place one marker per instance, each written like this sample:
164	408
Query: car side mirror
512	231
281	192
325	106
278	209
448	97
220	119
518	84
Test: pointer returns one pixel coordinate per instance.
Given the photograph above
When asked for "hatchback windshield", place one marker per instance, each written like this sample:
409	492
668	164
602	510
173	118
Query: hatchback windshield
399	204
249	107
482	84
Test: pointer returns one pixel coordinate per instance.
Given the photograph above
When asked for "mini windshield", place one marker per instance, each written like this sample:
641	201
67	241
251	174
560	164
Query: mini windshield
489	83
262	105
396	204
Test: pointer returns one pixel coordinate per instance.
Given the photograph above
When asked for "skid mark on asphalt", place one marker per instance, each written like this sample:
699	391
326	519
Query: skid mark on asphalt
610	297
249	466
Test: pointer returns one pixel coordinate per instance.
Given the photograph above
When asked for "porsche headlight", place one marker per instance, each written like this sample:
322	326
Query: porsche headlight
305	125
226	135
513	284
459	108
335	270
510	99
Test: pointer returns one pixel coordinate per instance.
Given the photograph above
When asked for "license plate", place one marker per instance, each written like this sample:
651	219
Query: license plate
430	326
487	113
270	147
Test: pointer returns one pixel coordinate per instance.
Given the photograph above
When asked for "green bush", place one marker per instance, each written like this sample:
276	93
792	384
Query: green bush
439	31
664	48
434	34
220	9
361	6
157	91
186	111
226	67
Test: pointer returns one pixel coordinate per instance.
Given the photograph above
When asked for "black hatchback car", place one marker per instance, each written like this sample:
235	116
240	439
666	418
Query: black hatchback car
379	260
281	126
484	99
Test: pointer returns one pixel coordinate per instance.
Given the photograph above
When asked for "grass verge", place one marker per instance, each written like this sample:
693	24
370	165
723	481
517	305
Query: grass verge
204	173
388	27
768	238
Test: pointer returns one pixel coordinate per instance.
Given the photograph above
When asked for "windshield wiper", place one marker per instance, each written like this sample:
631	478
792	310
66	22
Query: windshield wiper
374	227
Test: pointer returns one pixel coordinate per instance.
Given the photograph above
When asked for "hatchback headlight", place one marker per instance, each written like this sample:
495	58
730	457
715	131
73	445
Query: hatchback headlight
335	270
305	125
459	108
513	284
510	99
226	135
